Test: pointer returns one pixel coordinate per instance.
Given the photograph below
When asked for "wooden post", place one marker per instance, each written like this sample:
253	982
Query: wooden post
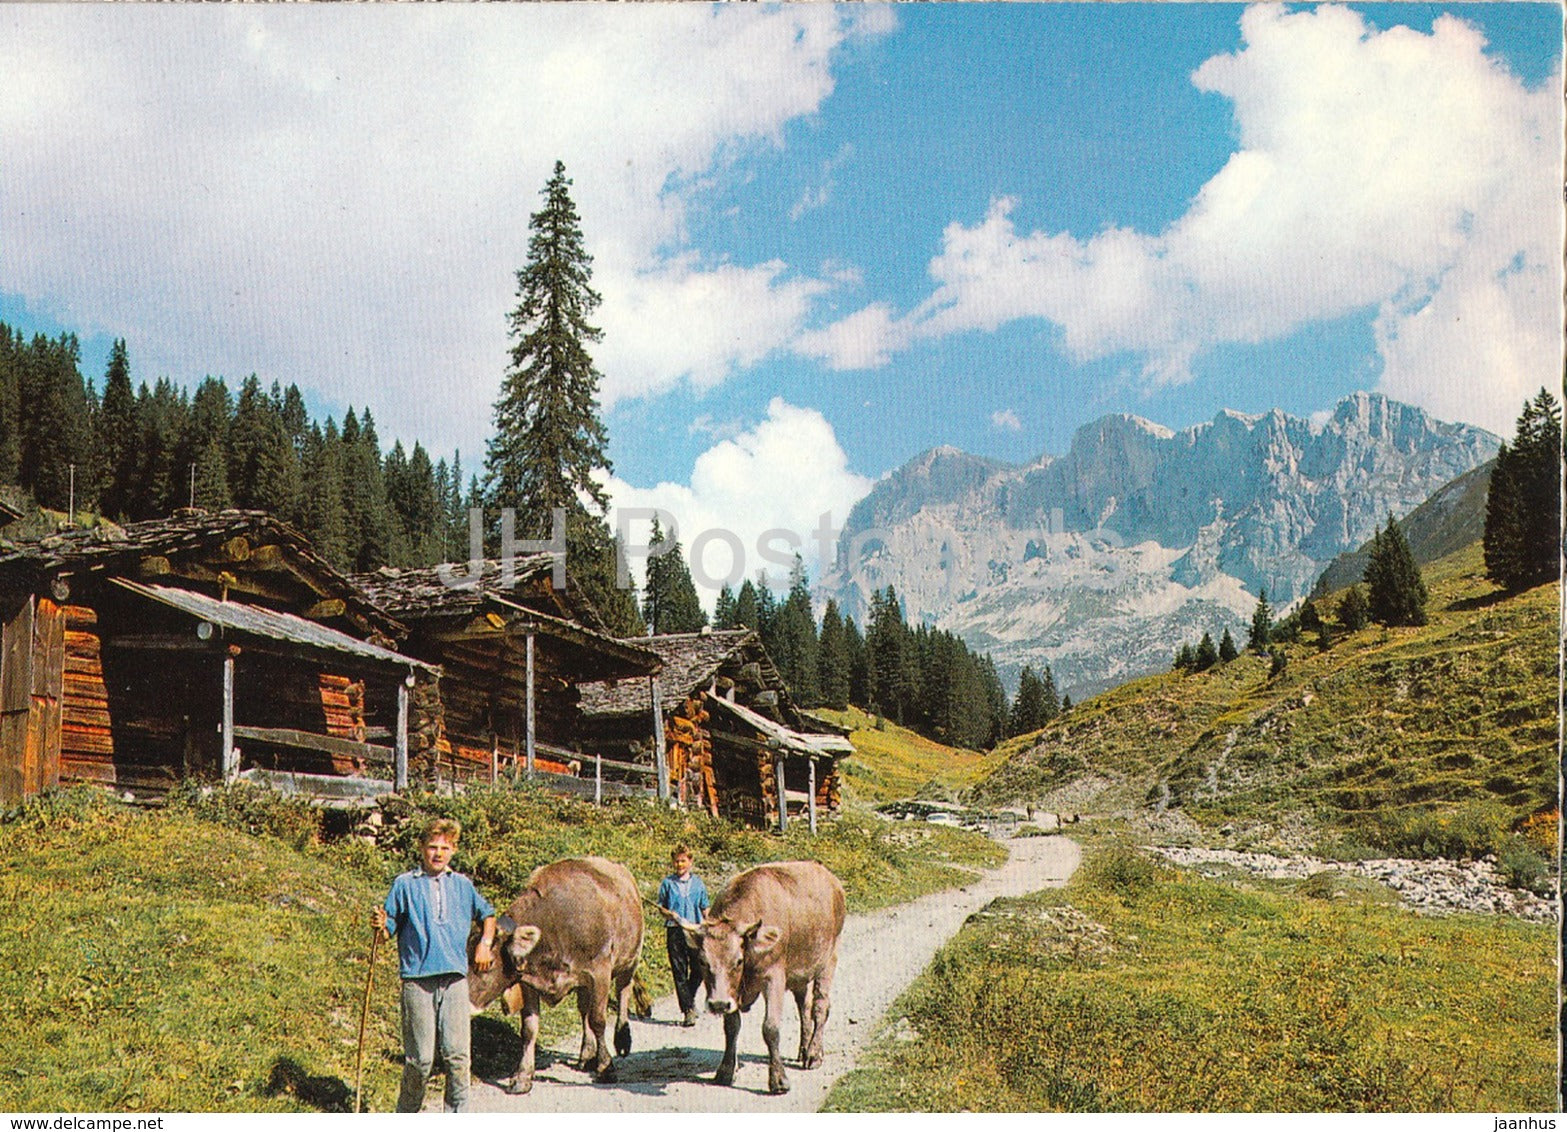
230	763
598	780
495	756
400	749
783	800
810	801
659	755
529	739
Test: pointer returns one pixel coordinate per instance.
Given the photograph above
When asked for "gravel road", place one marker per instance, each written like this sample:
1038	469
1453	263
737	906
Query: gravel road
670	1068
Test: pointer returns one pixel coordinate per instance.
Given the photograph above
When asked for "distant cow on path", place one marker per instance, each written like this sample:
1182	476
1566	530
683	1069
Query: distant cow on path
577	926
774	928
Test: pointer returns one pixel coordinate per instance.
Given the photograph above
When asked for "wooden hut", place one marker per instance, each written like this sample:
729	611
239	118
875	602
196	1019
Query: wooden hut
200	645
514	651
732	739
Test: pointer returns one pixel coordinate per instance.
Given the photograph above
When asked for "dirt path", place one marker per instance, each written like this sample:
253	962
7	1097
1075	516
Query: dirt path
670	1068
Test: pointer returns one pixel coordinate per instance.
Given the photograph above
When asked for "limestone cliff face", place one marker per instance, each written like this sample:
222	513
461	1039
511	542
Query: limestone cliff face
1101	562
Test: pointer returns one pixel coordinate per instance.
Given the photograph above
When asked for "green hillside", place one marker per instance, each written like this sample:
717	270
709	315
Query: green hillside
212	956
892	762
1393	738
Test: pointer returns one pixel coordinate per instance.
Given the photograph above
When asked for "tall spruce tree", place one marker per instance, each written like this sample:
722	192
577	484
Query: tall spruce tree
724	608
1395	592
669	601
832	659
795	639
859	664
1206	655
1227	649
1353	611
325	519
550	448
1521	513
118	435
747	610
11	347
56	432
1051	697
1261	624
161	485
202	452
1028	708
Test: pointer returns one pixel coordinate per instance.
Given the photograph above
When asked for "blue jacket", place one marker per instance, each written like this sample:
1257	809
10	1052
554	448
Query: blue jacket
687	899
430	918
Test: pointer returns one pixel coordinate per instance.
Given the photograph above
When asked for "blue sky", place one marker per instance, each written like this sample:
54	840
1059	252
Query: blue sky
827	239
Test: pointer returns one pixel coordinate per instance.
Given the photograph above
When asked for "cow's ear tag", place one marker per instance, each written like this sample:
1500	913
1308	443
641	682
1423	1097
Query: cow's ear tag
511	999
766	937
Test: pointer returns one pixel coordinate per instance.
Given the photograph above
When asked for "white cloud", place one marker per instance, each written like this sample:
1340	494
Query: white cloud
1393	171
1006	420
783	474
865	339
341	197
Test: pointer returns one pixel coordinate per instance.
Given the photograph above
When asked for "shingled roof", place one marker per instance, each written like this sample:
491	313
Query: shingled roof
119	550
690	662
248	620
420	596
453	590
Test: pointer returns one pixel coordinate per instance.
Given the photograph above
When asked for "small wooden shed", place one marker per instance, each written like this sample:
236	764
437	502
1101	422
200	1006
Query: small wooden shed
514	651
732	738
202	645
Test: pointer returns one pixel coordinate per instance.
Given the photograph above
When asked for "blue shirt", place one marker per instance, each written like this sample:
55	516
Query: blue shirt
431	917
686	898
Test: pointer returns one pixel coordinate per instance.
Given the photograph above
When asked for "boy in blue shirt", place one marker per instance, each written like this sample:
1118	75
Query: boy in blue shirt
682	897
430	910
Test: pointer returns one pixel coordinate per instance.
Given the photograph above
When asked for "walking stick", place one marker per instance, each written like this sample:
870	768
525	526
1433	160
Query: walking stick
364	1017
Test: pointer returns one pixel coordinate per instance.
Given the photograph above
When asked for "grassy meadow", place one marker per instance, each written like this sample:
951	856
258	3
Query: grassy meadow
211	956
892	762
1140	987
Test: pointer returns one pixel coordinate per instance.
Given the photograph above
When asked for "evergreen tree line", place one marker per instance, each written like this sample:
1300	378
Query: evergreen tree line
142	451
922	678
1524	502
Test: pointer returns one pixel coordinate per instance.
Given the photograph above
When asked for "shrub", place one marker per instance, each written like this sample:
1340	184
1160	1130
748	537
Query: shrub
1465	833
252	809
61	809
1522	867
1123	871
1319	886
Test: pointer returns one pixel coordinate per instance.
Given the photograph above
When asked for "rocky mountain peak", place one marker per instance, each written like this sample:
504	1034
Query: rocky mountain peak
1102	561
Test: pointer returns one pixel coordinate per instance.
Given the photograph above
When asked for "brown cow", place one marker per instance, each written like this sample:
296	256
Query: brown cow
577	926
775	927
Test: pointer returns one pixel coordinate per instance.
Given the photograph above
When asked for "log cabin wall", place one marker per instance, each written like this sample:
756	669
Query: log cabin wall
32	662
16	694
140	712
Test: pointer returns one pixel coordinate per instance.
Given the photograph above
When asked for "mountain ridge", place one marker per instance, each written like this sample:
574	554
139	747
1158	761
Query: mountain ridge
1102	561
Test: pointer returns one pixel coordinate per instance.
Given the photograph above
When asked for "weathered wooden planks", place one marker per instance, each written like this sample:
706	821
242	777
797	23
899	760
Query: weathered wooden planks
16	699
41	759
86	719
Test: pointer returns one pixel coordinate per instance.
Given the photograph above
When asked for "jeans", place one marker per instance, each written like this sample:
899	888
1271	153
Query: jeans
684	966
435	1014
